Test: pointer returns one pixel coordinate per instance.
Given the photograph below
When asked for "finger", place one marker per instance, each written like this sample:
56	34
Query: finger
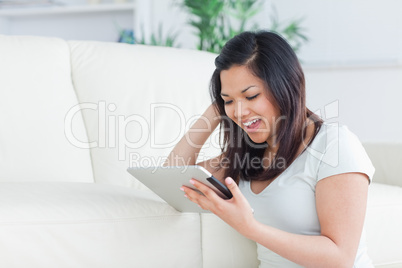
207	191
196	197
233	188
190	193
237	194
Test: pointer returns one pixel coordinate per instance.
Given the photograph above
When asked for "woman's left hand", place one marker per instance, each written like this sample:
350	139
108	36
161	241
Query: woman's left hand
236	211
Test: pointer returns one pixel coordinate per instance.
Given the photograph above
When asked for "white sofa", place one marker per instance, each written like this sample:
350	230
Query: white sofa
75	114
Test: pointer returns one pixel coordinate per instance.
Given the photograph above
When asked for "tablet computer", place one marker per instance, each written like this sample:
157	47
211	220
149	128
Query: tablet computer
166	183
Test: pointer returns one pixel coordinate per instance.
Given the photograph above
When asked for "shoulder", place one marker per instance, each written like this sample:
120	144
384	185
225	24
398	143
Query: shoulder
334	136
334	133
339	151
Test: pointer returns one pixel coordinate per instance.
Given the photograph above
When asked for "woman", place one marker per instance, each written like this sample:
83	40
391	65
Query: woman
305	180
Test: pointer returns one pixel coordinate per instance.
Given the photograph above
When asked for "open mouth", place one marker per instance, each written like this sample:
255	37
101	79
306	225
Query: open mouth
252	125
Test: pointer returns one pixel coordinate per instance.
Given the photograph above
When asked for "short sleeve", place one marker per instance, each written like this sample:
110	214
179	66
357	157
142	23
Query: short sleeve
344	153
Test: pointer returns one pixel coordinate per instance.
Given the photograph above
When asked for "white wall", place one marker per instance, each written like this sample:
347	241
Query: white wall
349	31
366	99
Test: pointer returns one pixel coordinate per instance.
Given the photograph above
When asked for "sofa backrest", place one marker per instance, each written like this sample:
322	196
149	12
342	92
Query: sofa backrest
137	101
36	93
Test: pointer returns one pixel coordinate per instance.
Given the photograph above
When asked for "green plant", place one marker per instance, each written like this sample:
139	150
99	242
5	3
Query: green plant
126	36
212	20
206	15
217	21
158	39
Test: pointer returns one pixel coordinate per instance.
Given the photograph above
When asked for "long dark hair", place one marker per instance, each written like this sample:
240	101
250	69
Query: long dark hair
270	58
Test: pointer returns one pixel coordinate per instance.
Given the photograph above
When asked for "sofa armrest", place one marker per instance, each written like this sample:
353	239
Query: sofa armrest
387	160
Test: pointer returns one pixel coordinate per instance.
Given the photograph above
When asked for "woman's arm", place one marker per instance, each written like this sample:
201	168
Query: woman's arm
187	149
341	205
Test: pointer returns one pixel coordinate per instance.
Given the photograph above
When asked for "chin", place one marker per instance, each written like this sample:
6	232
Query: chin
258	139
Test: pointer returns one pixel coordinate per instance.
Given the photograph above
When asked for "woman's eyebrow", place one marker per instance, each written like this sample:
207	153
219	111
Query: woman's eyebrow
244	90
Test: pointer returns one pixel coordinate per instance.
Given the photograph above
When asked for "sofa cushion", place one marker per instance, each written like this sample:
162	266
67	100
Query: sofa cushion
46	224
383	225
139	101
223	246
36	94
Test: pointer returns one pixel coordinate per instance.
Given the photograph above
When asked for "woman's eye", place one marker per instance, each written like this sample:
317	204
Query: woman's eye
253	97
228	102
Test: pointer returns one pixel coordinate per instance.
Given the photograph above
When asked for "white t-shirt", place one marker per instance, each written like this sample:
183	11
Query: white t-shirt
288	203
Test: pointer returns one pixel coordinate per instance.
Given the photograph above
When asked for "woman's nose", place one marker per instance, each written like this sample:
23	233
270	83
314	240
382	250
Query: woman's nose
241	110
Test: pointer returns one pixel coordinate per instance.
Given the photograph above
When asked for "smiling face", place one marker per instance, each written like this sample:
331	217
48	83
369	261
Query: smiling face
248	104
